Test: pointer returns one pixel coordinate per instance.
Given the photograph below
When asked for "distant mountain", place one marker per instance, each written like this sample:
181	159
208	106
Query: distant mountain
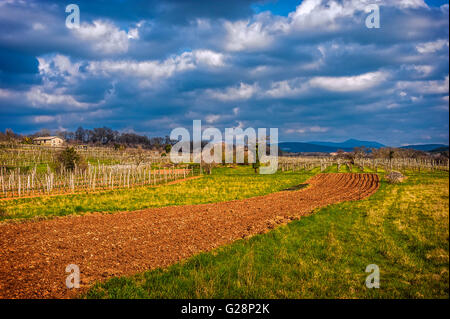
351	143
299	147
425	147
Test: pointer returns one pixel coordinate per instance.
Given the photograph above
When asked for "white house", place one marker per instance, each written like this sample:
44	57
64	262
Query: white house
48	141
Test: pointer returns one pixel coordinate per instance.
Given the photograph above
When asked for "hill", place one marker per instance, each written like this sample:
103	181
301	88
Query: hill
426	147
299	147
326	147
351	143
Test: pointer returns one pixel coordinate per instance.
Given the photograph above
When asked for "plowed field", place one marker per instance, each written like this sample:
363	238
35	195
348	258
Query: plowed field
34	255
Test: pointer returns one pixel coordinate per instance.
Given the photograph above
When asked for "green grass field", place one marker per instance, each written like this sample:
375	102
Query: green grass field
403	228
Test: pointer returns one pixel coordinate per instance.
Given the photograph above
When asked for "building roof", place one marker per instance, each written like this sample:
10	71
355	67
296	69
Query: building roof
45	138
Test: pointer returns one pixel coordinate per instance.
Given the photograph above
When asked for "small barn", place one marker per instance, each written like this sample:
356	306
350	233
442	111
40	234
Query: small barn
48	141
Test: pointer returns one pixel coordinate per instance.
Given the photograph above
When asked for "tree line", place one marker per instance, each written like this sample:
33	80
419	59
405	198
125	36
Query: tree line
99	136
391	153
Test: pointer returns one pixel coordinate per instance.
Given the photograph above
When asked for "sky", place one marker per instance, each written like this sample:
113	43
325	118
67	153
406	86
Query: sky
310	68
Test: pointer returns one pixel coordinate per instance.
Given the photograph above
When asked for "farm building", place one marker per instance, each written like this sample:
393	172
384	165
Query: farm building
48	141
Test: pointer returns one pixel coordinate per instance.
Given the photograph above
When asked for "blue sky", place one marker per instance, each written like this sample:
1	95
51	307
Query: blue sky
310	68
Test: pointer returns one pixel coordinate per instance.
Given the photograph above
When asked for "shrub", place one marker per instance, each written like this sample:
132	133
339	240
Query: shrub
395	177
69	159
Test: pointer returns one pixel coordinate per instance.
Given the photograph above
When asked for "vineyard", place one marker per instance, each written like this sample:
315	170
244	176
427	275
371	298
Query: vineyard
95	178
14	155
29	170
363	164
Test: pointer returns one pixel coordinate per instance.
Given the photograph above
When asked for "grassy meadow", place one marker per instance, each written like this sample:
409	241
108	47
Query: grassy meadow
403	228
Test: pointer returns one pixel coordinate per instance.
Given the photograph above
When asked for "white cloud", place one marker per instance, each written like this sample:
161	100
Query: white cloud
104	37
306	129
151	69
325	14
431	47
159	69
408	3
44	119
317	129
299	86
38	98
423	70
299	130
393	106
242	35
133	34
322	14
242	92
53	68
309	15
425	87
38	26
212	118
58	65
209	58
203	24
349	83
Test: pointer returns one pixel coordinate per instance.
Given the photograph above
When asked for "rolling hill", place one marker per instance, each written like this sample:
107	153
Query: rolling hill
299	147
351	143
425	147
326	147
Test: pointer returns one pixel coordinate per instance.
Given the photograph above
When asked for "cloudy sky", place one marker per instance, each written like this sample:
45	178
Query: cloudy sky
311	68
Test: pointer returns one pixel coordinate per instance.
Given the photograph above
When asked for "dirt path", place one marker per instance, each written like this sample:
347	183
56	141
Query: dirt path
34	255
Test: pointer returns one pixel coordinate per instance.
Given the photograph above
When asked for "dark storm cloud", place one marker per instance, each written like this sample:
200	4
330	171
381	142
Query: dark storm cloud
150	66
